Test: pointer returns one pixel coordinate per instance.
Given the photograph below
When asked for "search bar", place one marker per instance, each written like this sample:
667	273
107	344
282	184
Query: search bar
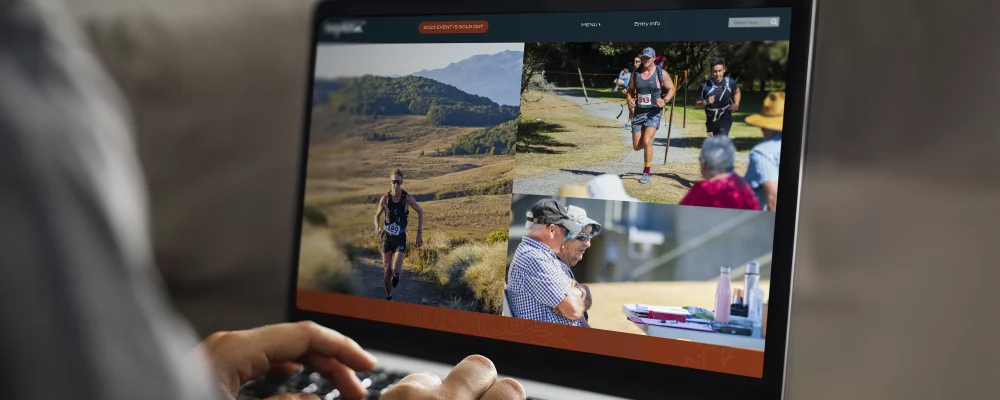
756	22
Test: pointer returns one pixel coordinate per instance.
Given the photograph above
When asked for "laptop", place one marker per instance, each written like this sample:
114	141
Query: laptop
584	192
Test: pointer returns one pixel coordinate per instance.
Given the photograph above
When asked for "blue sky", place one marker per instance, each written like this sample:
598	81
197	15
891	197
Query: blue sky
352	60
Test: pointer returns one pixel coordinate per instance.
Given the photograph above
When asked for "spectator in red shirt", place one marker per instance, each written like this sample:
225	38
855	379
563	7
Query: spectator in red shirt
722	188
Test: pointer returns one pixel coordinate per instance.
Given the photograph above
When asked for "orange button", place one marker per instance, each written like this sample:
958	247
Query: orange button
452	27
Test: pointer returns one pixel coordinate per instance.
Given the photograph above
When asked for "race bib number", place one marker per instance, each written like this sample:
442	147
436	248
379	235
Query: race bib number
645	100
393	229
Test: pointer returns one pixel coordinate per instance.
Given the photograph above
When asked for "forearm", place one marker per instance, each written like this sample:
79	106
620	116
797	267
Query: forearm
736	98
771	194
420	220
572	306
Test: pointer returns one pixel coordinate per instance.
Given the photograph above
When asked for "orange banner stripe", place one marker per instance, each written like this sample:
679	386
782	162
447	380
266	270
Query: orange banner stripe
702	356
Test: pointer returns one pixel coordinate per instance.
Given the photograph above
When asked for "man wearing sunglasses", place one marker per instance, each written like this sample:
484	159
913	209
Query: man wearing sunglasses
573	248
538	287
395	205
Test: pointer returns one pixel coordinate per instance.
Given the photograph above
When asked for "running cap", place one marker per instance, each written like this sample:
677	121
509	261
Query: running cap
548	211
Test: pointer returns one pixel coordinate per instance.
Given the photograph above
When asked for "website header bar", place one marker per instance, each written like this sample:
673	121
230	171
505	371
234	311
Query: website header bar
619	26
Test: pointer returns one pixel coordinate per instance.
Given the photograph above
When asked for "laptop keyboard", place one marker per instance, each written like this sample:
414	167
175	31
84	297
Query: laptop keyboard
377	381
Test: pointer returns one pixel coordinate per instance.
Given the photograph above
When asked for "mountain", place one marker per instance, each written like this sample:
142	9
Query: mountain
411	95
496	76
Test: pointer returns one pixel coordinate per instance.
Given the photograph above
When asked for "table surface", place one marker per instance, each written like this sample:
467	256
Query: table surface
721	339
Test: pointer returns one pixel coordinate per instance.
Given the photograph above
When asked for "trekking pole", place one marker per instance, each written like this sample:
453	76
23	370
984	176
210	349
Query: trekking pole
670	123
582	85
685	112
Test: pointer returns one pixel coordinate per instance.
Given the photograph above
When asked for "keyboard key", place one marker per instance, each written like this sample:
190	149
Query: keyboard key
335	394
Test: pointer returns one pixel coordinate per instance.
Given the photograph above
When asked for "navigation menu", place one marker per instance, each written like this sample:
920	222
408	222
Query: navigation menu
619	26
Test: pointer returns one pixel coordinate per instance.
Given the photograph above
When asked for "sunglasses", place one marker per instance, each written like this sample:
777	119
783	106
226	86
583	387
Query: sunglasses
583	236
397	182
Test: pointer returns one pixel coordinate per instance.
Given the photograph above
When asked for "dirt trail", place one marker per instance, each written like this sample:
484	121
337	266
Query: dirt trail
368	282
629	164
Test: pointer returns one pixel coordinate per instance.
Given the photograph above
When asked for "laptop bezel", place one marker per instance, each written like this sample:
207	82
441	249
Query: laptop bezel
603	374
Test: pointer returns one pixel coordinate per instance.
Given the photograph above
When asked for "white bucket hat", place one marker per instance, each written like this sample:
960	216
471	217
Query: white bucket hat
608	187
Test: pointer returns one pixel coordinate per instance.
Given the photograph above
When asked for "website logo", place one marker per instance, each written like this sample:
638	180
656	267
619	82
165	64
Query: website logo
343	28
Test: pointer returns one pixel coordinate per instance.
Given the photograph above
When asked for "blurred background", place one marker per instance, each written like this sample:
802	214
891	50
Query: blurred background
899	206
660	242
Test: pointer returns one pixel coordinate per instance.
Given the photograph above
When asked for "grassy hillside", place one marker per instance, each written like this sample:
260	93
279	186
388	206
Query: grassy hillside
411	95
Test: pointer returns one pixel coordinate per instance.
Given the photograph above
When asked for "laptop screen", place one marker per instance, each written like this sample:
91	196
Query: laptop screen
596	182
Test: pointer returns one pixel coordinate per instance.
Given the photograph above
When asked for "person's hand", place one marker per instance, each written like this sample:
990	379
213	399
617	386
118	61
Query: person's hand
711	99
660	102
420	239
474	378
734	107
631	104
378	230
240	356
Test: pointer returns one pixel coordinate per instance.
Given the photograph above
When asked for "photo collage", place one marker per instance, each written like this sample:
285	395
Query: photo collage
618	186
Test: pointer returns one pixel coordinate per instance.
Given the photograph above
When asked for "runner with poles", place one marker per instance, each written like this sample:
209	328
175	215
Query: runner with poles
646	99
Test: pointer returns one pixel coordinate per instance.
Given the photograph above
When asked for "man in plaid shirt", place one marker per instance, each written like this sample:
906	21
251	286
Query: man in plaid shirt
538	287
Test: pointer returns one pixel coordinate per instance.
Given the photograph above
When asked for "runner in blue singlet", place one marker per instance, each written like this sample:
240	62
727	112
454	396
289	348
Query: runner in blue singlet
646	101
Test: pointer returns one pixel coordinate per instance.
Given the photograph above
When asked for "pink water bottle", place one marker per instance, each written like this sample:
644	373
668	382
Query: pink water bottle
723	297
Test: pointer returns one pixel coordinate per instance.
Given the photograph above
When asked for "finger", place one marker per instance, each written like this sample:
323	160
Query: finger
471	378
286	368
409	391
505	389
424	380
341	376
294	396
291	341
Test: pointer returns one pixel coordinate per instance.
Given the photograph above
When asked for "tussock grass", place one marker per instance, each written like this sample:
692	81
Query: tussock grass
477	268
323	265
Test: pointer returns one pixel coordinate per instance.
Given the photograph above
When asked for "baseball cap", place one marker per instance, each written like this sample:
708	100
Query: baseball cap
549	211
649	52
579	215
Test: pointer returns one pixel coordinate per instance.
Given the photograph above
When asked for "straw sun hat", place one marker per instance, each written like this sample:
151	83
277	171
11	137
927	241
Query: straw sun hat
771	114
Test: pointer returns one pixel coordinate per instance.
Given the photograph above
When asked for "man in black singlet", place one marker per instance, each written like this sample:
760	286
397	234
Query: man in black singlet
395	205
649	91
720	96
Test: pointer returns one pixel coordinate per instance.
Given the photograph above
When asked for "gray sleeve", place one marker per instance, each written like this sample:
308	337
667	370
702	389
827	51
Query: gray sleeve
84	315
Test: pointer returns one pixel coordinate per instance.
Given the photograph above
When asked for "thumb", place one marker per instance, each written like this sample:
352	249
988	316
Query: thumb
294	396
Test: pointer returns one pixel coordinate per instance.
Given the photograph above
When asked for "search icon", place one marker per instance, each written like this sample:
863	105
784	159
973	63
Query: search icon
755	22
